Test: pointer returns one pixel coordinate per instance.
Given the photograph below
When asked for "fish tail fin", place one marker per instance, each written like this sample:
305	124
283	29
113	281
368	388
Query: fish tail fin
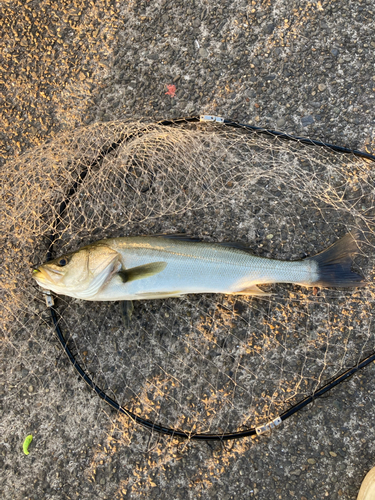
334	264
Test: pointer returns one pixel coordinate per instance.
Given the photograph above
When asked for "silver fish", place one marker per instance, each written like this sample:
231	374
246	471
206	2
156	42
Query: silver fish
150	267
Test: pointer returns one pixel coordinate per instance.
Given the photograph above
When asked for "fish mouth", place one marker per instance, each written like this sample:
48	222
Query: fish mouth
46	276
39	276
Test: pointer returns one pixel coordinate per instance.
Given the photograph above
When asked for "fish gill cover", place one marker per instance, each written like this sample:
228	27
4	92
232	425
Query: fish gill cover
201	363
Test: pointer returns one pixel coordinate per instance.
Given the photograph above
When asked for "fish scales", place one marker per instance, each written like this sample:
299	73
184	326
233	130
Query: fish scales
198	267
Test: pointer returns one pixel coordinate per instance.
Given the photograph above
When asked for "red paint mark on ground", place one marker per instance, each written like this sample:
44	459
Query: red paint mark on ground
171	90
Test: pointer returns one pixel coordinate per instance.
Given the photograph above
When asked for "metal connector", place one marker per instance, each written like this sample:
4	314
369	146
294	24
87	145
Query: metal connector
267	427
49	298
209	118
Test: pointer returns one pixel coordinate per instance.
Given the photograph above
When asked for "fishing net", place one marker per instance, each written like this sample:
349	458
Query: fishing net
199	364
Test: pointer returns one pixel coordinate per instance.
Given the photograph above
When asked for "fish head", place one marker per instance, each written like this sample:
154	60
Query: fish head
79	274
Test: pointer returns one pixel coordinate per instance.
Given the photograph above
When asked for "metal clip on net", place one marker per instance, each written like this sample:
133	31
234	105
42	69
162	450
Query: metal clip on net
49	298
267	427
209	118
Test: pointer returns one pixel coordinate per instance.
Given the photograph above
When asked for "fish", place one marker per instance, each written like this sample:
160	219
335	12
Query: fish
157	267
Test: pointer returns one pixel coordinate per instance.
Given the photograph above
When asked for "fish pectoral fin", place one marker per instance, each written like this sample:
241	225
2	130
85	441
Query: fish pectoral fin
140	272
252	290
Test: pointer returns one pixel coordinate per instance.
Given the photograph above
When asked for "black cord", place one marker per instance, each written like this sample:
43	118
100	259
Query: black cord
273	133
202	437
327	387
147	423
81	177
302	140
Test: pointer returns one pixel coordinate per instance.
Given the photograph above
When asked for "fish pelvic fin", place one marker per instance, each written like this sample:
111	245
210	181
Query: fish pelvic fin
334	264
127	309
140	272
252	290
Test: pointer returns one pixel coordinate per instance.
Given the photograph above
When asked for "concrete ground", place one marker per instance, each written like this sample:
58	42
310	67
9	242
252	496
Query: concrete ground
306	68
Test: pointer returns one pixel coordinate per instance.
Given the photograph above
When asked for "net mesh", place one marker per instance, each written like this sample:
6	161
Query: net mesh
202	363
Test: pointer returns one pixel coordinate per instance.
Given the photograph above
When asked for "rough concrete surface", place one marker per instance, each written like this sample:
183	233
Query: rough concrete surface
306	68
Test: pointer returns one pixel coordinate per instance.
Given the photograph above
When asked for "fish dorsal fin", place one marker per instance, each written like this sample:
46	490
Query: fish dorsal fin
231	244
178	236
140	272
193	239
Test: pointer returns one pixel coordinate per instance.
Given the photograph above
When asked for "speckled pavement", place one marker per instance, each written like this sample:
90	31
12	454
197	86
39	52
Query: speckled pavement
306	68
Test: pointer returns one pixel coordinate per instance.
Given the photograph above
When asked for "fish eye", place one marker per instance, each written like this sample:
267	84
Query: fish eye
62	262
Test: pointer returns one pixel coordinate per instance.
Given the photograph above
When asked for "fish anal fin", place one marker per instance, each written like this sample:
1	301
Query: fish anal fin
140	272
252	290
158	295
